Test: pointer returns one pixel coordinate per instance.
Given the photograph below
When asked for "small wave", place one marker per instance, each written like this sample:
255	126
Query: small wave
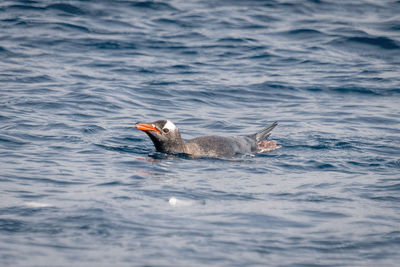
121	149
304	33
11	225
109	184
36	179
324	214
111	44
265	220
7	53
395	163
28	79
153	5
11	141
234	40
358	90
24	8
71	26
68	8
380	42
92	129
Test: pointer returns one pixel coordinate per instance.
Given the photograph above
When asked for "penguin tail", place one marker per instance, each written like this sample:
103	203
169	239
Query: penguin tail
264	133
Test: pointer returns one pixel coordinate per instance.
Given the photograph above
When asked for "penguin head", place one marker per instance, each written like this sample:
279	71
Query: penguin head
164	134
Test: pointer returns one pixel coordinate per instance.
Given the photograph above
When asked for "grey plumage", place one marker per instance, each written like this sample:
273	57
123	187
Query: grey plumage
167	139
219	146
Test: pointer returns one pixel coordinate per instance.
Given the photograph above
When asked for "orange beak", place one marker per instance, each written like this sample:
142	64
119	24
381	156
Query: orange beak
146	127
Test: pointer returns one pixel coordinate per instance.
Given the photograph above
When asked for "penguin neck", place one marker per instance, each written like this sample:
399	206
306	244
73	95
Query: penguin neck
173	146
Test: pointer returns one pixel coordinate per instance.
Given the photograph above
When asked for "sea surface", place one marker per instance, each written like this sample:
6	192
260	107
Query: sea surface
80	186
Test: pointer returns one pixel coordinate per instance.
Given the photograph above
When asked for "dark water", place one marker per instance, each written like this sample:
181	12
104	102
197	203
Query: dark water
80	186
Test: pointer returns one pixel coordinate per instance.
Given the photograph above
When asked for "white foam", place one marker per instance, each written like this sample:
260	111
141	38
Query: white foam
36	205
174	202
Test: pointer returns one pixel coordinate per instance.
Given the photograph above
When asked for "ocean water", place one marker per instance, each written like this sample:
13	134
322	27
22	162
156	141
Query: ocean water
80	186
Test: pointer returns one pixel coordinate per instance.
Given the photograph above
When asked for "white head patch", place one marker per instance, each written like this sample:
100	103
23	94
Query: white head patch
170	126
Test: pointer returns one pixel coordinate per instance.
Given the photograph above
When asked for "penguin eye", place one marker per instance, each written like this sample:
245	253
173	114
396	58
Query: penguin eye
165	130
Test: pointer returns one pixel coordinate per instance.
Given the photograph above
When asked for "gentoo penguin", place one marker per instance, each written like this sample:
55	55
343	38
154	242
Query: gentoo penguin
167	139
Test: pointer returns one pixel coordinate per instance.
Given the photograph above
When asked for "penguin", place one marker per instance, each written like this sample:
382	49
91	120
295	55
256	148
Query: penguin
167	139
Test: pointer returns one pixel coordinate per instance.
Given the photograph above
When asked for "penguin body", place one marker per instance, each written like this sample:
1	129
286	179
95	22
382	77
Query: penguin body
167	139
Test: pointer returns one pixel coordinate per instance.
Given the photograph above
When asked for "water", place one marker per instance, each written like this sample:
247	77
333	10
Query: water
81	186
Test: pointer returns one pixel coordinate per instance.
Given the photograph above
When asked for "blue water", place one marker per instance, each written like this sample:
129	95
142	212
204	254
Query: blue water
80	186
